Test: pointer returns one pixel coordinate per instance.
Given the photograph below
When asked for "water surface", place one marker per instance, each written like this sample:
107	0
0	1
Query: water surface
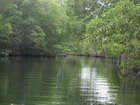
64	81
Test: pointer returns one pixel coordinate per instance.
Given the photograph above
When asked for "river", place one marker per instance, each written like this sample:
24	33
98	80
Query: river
64	81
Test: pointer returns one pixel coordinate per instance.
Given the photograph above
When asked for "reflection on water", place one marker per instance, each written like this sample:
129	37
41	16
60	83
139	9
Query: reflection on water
64	81
96	87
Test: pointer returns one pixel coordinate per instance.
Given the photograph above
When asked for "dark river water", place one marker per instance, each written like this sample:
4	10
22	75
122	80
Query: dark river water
64	81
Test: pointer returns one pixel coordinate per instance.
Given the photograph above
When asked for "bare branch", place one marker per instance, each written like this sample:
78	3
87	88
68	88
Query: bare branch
97	10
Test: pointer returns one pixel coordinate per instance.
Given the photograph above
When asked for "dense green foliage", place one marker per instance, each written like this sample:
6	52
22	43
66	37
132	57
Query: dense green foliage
109	28
32	25
116	34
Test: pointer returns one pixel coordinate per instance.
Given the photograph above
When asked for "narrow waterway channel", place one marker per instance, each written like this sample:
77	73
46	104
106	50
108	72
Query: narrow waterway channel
64	81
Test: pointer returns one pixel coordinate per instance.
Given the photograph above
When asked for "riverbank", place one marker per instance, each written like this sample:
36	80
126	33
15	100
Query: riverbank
124	72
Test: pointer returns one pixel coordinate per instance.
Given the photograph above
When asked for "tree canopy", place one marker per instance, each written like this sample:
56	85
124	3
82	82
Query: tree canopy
109	28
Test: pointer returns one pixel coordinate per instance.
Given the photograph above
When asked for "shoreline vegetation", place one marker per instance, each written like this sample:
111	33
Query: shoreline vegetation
124	74
59	28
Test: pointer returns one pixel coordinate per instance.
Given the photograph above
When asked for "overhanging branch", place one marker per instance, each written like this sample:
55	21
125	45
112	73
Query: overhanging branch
97	10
